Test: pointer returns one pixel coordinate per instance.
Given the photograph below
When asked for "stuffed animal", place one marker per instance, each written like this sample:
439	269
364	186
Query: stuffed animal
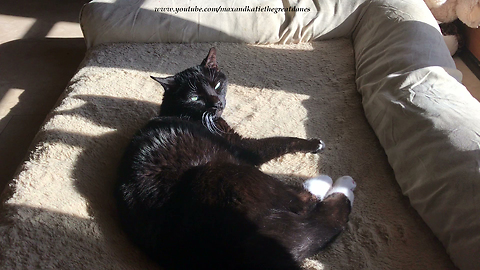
451	14
454	36
467	11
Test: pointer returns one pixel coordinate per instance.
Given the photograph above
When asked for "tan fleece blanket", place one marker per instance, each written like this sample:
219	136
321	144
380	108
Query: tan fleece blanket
59	211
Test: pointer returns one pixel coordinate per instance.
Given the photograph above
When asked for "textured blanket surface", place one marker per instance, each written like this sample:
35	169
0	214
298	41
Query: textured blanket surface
59	211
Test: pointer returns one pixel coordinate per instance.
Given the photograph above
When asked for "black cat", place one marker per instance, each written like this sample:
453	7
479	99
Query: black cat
190	195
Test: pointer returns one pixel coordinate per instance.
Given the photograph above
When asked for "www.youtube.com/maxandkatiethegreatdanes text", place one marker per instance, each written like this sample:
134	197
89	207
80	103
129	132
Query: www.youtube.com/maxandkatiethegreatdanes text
230	9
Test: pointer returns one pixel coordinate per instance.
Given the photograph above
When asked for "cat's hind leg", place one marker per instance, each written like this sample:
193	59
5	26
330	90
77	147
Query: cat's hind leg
330	216
306	234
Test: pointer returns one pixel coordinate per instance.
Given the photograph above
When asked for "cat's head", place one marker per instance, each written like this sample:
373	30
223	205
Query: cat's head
197	92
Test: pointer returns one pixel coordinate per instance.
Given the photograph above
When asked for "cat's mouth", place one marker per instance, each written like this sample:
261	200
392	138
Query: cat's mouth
208	120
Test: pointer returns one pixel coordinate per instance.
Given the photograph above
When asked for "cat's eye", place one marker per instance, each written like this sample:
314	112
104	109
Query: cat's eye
194	98
217	86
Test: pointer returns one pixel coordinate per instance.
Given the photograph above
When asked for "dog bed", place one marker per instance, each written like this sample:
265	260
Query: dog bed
383	95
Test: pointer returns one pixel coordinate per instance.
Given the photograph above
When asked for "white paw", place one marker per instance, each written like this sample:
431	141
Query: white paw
345	185
346	181
319	185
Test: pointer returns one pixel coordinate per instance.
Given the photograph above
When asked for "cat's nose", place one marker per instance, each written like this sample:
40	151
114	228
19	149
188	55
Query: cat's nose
218	105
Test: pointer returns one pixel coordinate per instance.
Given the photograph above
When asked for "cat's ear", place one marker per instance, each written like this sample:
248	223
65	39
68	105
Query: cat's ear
167	83
211	60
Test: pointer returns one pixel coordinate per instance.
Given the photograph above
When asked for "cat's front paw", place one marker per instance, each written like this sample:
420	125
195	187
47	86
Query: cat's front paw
319	146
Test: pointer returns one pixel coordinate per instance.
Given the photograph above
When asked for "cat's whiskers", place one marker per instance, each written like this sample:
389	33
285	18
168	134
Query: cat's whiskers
209	123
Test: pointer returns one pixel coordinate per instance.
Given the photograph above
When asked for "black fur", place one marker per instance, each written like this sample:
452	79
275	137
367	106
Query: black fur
190	195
